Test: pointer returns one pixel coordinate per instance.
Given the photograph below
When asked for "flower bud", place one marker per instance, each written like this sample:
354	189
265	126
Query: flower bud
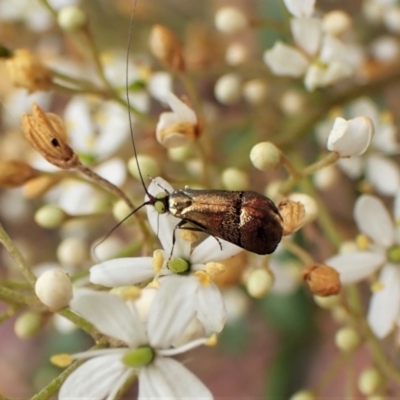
166	48
303	395
71	18
121	210
50	216
230	20
72	252
369	381
28	324
255	91
14	173
180	154
336	22
259	282
265	156
38	186
233	272
347	339
46	133
227	89
27	72
293	215
326	178
292	102
148	166
322	280
391	19
235	179
54	289
328	302
236	54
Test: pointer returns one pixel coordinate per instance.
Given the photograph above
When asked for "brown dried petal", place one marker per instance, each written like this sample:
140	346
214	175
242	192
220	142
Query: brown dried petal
322	280
293	215
165	46
14	173
26	71
46	134
38	186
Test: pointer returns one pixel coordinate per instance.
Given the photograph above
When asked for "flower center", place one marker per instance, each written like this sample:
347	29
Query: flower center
394	254
179	265
138	357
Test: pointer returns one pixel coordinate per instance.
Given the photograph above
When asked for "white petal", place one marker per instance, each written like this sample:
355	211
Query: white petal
165	120
373	219
184	112
210	250
384	174
352	167
211	308
332	50
122	271
307	33
336	71
113	170
300	8
166	378
110	315
365	106
385	139
385	304
286	60
173	308
159	85
354	267
396	208
94	379
352	137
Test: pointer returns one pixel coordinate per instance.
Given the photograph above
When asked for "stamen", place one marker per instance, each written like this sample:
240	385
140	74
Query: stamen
203	277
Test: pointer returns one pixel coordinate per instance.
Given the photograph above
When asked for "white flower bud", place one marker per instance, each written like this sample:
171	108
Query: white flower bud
54	289
28	324
230	20
255	91
273	189
292	102
227	89
372	11
50	216
310	206
385	48
259	282
107	249
236	54
71	17
327	302
235	179
326	177
336	22
369	381
121	210
265	156
148	166
300	9
352	137
391	19
180	154
73	252
347	339
304	395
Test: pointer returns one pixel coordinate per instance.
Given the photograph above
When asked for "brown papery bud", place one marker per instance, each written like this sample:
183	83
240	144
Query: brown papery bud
46	134
322	280
293	215
38	186
165	47
234	268
14	173
26	71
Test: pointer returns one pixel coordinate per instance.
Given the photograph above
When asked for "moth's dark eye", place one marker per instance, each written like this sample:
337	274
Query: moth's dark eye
55	143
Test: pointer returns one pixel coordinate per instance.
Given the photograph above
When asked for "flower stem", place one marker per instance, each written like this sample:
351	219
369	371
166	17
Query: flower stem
17	256
11	296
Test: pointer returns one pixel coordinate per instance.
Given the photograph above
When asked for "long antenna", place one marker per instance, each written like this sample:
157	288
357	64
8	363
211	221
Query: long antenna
127	97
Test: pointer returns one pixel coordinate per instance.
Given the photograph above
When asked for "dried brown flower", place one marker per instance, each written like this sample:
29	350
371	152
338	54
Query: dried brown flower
38	186
26	71
46	134
293	215
322	280
165	47
14	173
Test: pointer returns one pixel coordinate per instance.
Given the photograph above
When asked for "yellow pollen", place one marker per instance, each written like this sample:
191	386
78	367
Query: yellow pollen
62	360
203	277
212	340
106	58
377	286
158	260
387	117
214	268
362	242
145	72
189	236
127	292
100	117
155	284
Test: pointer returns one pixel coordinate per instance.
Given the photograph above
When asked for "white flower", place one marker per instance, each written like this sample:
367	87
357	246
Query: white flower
147	354
191	282
351	137
300	8
176	128
374	221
